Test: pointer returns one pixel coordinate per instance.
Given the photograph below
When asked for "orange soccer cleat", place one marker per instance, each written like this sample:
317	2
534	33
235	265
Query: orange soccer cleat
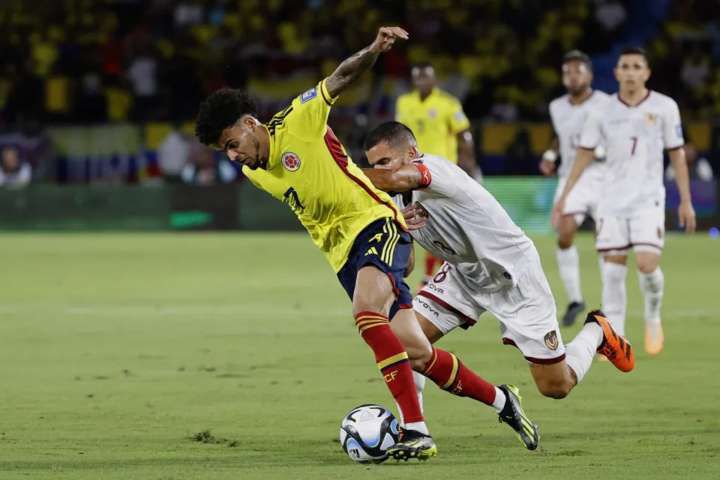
615	347
654	339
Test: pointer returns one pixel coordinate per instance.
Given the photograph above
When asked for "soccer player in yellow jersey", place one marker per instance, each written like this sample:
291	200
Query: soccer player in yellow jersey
440	127
298	160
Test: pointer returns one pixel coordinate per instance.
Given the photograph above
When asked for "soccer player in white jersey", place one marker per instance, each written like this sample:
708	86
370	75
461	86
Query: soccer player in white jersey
489	265
635	126
568	114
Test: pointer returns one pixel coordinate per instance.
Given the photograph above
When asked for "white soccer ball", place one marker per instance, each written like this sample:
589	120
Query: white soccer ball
367	431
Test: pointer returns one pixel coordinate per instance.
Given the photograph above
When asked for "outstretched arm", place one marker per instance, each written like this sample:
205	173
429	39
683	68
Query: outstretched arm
350	69
404	179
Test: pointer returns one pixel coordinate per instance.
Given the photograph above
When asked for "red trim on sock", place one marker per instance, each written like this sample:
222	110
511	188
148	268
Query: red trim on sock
398	375
449	373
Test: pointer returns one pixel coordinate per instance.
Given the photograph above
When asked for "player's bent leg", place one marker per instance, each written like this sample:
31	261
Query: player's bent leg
554	380
451	375
371	299
652	284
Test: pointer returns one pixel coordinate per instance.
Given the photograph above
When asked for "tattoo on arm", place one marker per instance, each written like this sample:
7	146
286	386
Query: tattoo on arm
349	70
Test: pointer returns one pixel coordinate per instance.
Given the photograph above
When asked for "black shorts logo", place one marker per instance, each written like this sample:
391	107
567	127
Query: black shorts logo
551	340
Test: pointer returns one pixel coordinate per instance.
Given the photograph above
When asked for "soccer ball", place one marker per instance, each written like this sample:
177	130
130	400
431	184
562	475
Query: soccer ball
367	431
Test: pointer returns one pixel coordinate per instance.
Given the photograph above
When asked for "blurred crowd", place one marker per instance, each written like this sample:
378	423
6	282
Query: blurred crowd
107	61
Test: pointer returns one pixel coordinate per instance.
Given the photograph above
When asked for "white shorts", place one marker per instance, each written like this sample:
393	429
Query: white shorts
526	312
643	230
582	199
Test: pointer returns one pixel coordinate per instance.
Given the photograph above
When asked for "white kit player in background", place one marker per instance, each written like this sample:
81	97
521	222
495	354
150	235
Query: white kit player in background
490	265
635	126
568	114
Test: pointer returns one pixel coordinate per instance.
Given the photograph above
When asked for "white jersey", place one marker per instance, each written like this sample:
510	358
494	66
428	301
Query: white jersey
634	139
468	228
568	120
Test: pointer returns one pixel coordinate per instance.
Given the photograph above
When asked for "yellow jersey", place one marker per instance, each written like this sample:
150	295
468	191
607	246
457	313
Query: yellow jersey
435	121
309	170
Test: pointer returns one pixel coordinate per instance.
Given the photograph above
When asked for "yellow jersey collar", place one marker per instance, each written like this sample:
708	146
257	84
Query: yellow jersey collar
272	161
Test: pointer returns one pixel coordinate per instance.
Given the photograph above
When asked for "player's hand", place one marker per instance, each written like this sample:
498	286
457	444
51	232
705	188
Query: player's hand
415	216
547	167
686	216
386	38
557	212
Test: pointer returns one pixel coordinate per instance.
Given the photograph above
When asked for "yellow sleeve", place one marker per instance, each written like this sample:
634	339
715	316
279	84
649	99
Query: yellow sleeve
308	113
457	119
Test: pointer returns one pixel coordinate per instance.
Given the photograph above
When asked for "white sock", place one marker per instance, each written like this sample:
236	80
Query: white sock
652	286
580	352
500	399
418	426
419	379
569	265
614	296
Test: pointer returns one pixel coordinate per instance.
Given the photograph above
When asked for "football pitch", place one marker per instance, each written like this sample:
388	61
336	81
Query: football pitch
234	356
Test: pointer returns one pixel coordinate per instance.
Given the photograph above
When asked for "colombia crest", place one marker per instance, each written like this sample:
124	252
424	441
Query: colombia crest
290	161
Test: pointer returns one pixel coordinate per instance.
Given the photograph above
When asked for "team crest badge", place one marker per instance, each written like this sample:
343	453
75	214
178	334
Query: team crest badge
551	340
290	161
650	118
432	113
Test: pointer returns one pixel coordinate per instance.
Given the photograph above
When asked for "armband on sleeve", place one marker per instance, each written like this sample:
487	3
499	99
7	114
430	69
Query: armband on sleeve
425	177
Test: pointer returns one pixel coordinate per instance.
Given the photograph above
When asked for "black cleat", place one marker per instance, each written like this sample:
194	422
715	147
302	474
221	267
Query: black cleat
513	414
413	444
573	310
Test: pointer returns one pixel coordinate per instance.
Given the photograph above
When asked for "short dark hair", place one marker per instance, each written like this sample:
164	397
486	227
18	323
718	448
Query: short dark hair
635	51
220	110
577	56
391	132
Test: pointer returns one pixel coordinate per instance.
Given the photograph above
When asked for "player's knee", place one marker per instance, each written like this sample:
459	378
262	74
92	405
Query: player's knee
564	241
556	389
646	266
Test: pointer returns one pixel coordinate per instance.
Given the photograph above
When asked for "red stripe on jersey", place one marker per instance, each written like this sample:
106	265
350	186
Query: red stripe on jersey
336	151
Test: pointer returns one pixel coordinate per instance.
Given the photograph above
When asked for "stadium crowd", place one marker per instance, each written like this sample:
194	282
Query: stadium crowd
109	61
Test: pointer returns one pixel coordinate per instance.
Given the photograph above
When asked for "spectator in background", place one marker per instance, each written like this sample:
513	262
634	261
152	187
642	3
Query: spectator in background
14	172
142	75
174	153
205	169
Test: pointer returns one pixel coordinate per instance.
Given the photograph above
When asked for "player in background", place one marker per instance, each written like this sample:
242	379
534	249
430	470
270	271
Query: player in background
490	265
298	160
441	128
568	114
635	126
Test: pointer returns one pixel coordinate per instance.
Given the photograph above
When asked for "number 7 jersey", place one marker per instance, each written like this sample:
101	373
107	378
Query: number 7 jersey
634	138
309	170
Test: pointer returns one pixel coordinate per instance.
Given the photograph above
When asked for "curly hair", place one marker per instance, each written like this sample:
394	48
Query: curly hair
220	110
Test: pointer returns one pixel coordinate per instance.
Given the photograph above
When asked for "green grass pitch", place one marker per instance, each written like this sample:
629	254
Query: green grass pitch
120	352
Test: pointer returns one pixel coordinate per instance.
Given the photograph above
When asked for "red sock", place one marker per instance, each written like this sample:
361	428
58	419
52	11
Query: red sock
451	375
392	360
